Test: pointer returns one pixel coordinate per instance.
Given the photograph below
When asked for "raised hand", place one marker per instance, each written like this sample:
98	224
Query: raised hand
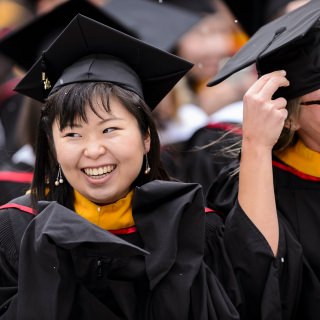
264	117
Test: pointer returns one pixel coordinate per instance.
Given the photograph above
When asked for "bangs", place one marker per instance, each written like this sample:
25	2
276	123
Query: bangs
69	104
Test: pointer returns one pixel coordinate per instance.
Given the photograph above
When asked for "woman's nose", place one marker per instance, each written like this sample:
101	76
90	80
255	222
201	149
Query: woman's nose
94	150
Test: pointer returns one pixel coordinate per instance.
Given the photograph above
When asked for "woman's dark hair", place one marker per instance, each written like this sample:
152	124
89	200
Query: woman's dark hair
67	105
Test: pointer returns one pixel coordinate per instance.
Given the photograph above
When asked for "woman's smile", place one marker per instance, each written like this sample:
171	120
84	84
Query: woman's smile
98	175
99	172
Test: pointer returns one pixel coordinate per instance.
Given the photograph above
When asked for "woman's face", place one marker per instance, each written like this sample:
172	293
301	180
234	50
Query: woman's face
101	158
207	45
308	124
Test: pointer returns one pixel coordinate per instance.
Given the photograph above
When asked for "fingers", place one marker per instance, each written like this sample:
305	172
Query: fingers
273	84
263	116
280	103
268	84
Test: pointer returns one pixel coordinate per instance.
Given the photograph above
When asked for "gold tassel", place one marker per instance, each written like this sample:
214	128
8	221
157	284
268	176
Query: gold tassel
46	82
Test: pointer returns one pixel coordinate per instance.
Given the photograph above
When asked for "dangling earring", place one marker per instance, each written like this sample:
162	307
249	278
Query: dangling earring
59	179
147	170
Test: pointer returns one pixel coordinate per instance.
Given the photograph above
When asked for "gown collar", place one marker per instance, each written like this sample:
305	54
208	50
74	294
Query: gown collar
301	158
114	216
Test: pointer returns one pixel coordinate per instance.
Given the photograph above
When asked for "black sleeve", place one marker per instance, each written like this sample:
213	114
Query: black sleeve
13	223
182	285
217	258
261	285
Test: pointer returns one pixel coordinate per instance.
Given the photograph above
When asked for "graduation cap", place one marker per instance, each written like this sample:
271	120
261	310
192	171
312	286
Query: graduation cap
158	24
290	43
91	51
37	35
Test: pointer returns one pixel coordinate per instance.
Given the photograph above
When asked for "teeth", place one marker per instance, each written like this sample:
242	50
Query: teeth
99	171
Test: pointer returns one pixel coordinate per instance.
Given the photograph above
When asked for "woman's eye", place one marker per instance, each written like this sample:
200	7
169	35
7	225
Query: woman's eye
72	135
108	130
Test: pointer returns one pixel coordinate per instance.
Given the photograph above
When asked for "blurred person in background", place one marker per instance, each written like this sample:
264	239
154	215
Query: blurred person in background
208	44
15	175
13	14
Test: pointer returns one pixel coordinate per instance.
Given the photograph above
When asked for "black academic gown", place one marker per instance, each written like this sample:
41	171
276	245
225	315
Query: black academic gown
68	268
287	286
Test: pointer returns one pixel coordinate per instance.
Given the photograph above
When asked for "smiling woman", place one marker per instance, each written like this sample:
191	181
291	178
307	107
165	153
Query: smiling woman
104	233
89	154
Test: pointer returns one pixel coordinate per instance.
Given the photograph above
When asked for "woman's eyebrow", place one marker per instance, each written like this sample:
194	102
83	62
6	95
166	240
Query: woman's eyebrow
307	103
109	119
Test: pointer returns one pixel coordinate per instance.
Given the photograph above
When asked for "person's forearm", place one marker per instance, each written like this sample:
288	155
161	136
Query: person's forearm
256	191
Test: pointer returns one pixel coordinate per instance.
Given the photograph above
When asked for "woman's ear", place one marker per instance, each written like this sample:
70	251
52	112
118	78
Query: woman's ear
291	125
287	124
147	141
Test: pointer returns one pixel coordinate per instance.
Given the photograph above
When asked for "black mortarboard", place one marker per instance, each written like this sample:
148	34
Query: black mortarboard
24	45
290	43
91	51
158	24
